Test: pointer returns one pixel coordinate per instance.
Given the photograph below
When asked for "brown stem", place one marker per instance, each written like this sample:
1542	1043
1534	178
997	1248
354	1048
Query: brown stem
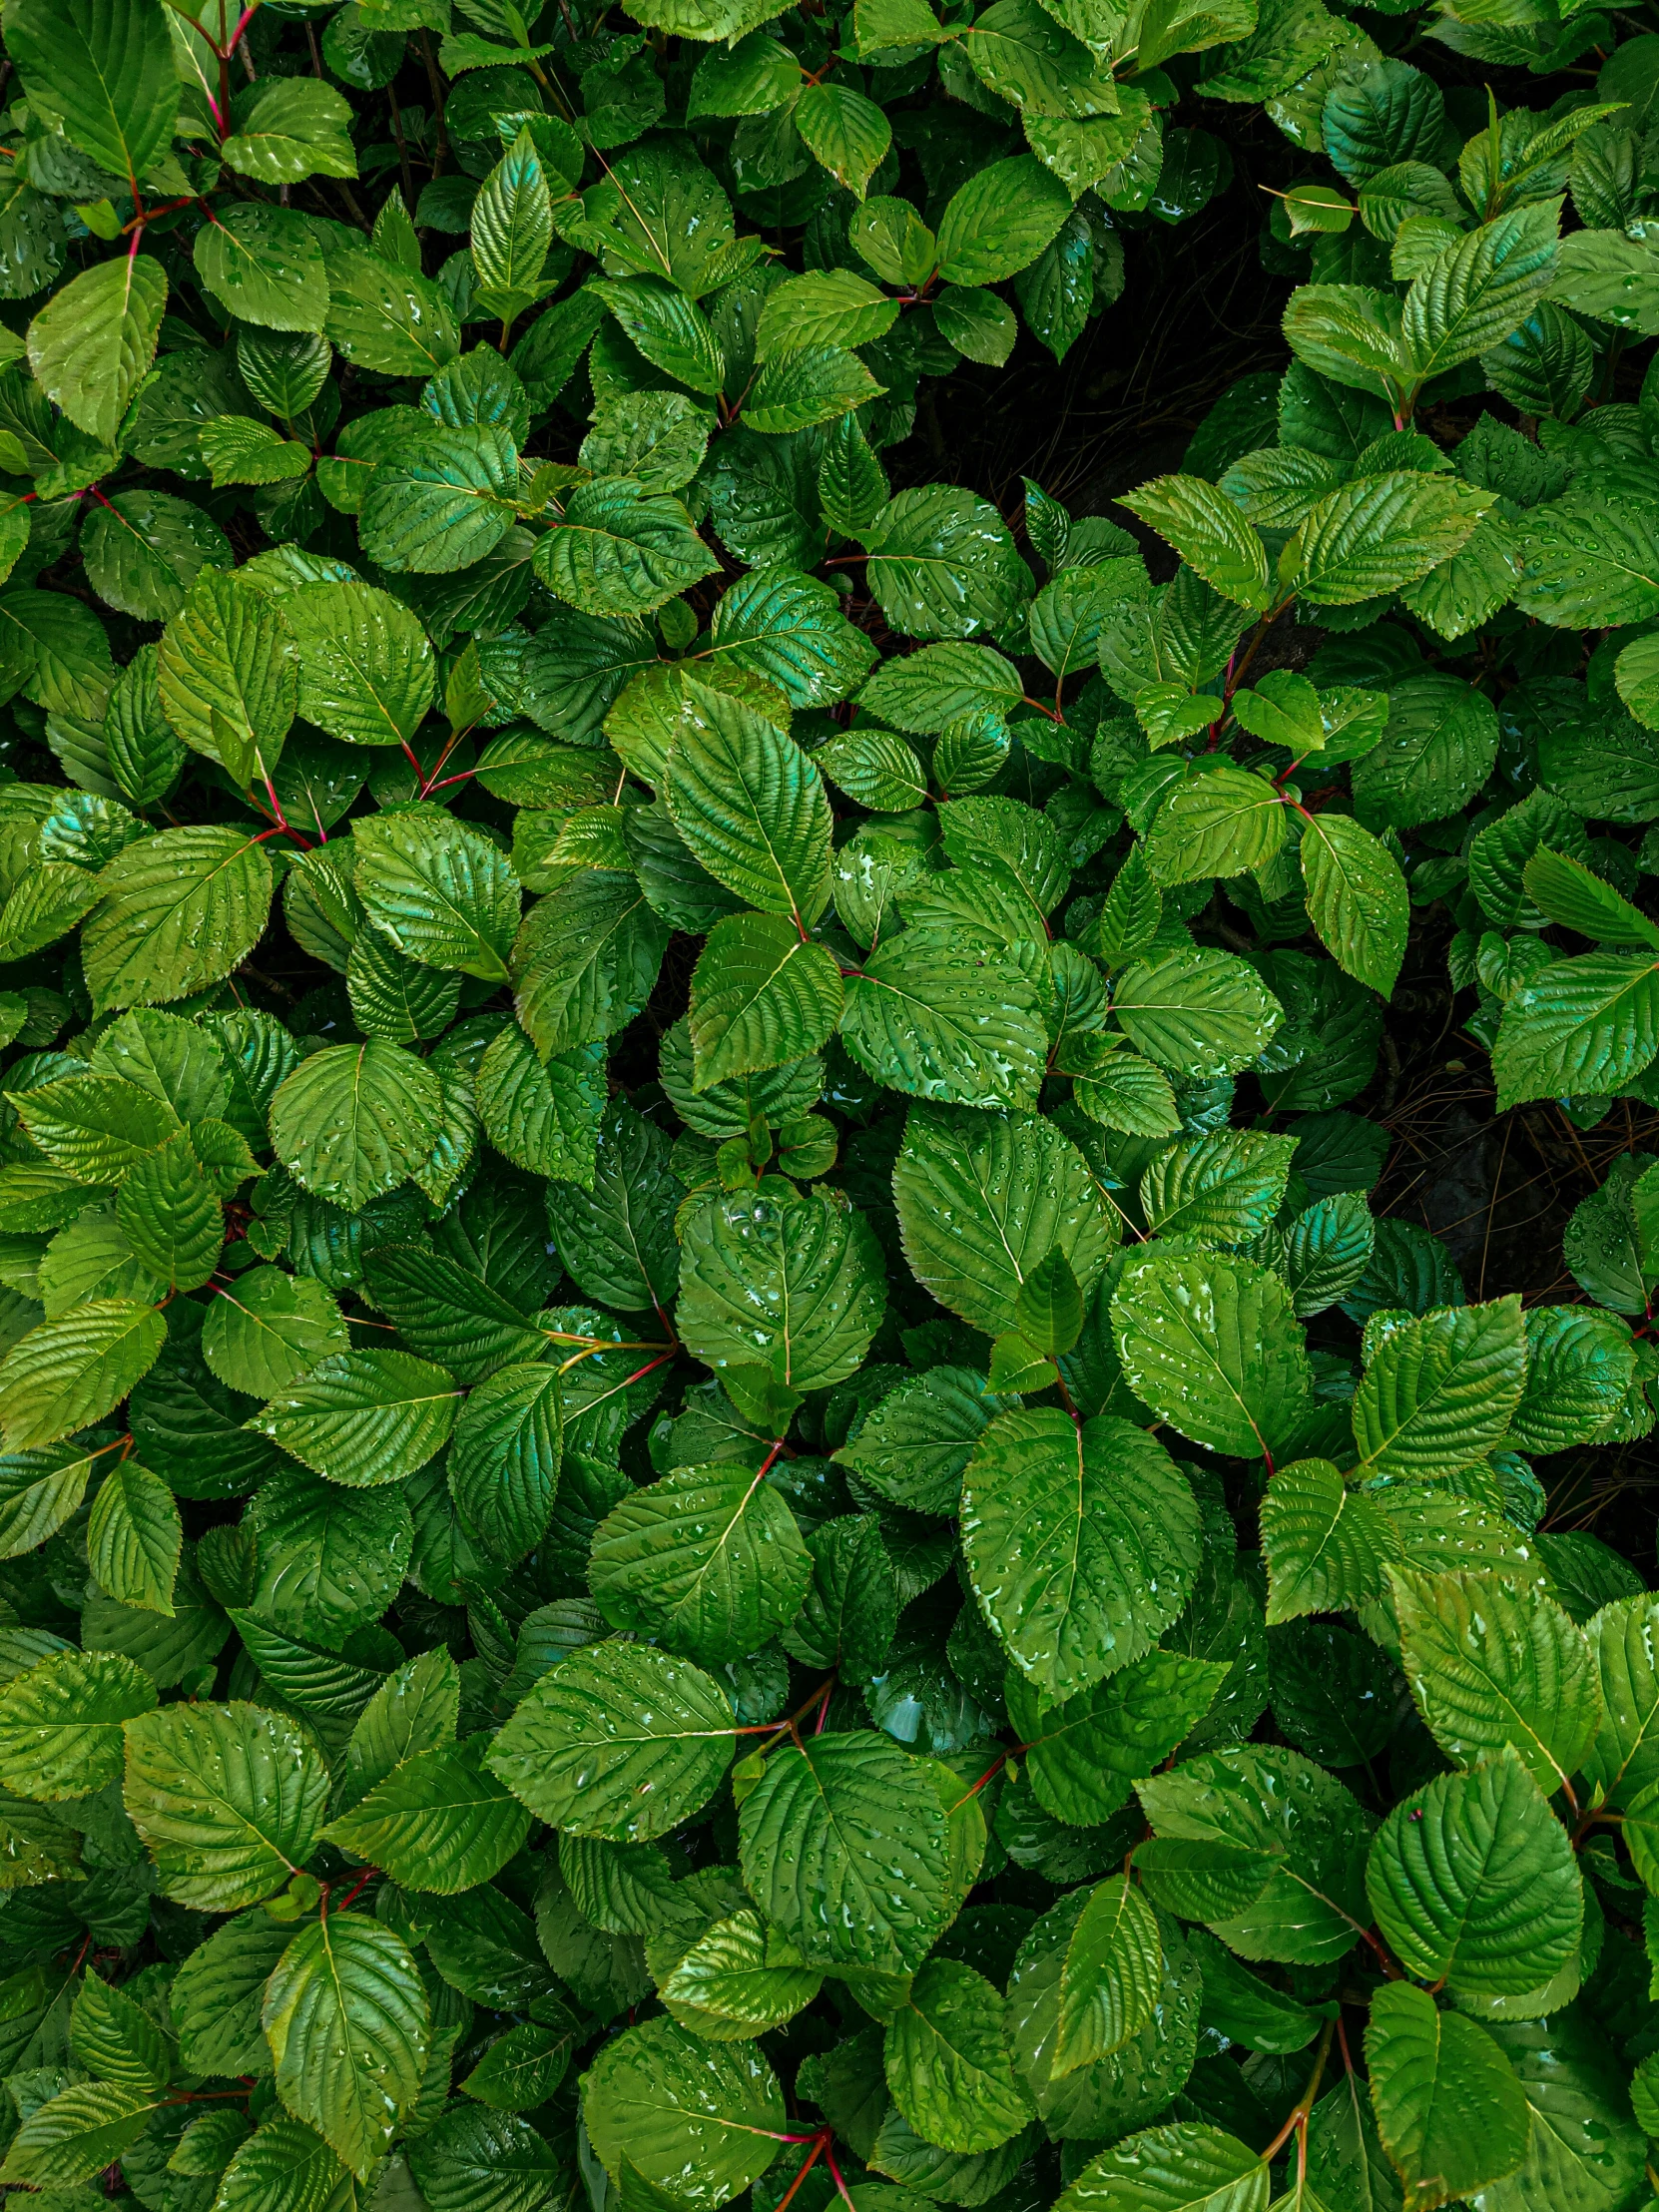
434	80
1298	2120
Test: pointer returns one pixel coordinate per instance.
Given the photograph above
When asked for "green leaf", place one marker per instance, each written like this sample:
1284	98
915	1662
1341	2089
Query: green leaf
282	2167
1289	1841
620	1740
812	384
442	499
142	551
931	1015
477	2161
229	1801
852	485
618	1240
1591	1021
1585	560
1207	532
794	1283
91	345
1212	1345
67	1373
1083	1757
927	689
327	1561
134	1538
1219	1190
704	2116
50	901
735	1982
1474	1883
117	2040
1473	295
587	957
913	1446
843	1847
347	2021
947	2062
1356	898
61	1723
1565	891
287	129
830	306
1187	2167
1199	1013
1378	534
215	1998
504	1462
367	672
942	564
265	264
1109	1983
1438	1393
1000	221
97	1128
760	996
707	1562
70	2136
364	1418
356	1120
180	912
384	318
1350	335
268	1330
752	808
851	1609
1488	1666
39	1491
620	550
669	329
1215	823
103	73
1048	1308
1625	1756
441	1820
846	133
1441	743
442	893
512	222
982	1203
413	1712
228	674
446	1313
1081	1544
1583	2147
1449	2109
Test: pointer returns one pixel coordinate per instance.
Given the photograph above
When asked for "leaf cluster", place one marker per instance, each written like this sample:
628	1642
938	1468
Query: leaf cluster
712	1477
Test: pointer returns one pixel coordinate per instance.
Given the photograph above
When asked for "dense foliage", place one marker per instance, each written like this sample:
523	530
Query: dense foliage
712	1477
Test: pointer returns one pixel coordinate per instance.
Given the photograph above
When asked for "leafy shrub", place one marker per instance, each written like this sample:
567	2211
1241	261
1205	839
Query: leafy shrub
713	1479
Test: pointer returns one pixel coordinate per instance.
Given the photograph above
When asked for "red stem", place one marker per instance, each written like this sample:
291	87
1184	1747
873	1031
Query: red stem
841	2183
821	2142
369	1875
